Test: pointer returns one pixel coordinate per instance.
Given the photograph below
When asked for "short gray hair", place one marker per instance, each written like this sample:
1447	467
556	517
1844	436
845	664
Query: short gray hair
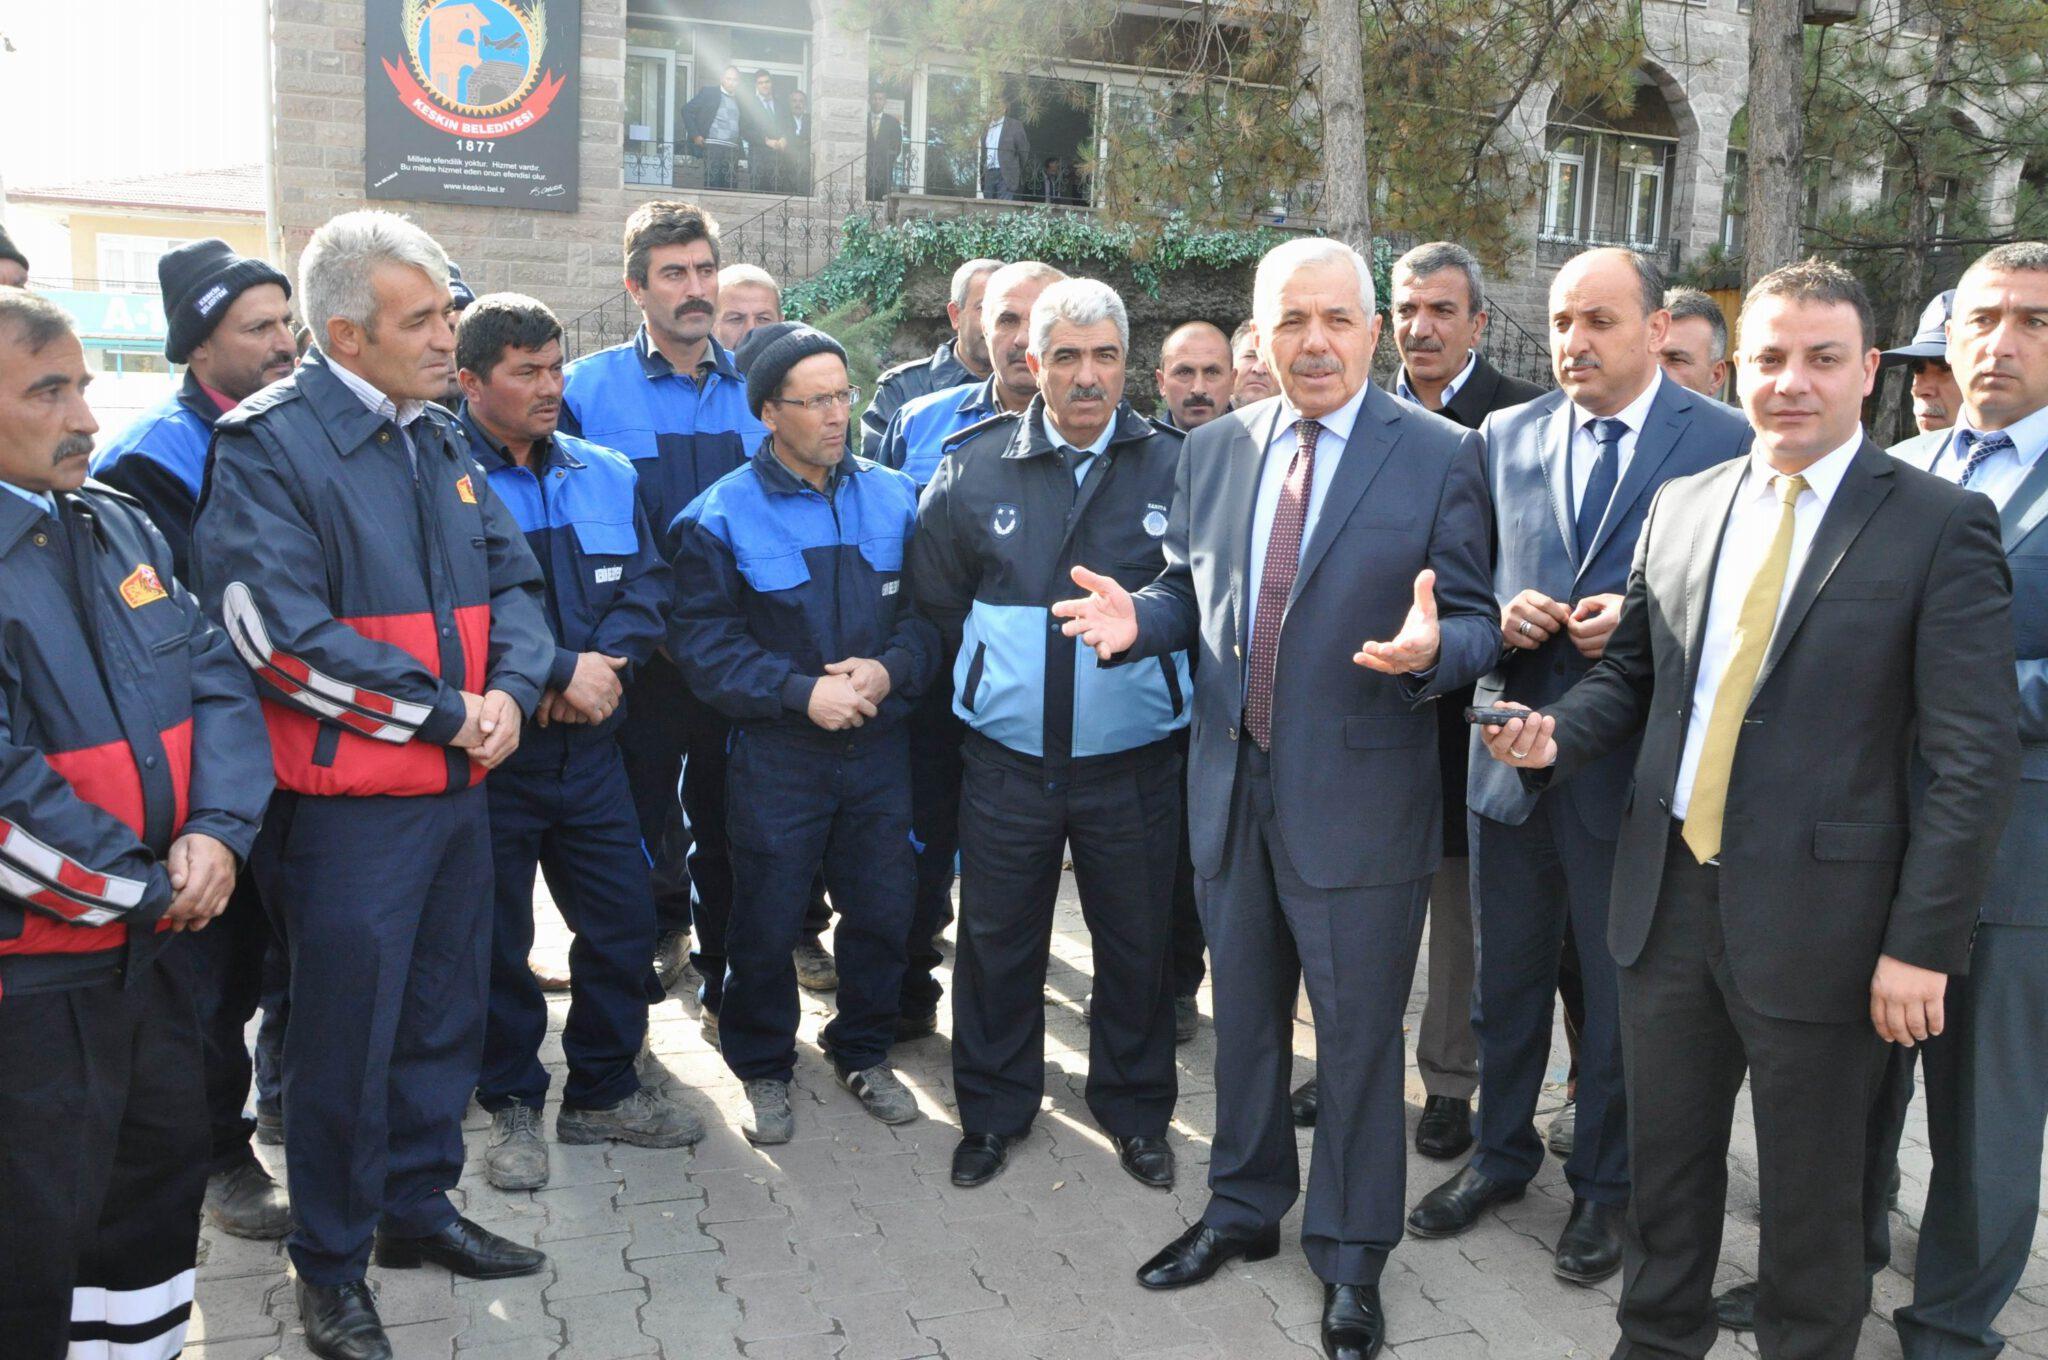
1283	261
334	271
34	321
2014	257
1016	271
748	275
966	274
1079	302
1434	257
1691	302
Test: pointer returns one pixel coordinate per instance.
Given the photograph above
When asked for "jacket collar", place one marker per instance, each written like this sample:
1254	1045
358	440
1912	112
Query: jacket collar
348	422
779	480
494	456
192	395
655	364
1029	441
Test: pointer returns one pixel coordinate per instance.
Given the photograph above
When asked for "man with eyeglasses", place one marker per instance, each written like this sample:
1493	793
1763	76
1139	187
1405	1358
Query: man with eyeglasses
791	620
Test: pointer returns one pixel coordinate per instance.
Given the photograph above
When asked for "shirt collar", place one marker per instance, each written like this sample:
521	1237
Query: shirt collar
655	364
979	396
1632	415
481	443
1100	443
1451	388
2029	437
1822	476
400	414
779	479
1338	422
41	500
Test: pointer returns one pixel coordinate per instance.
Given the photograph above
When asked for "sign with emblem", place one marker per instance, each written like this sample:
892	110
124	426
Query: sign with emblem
473	101
1004	520
142	587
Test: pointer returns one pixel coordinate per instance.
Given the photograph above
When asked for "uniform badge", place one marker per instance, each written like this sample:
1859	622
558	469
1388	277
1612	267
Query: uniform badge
142	587
1004	521
465	490
606	575
1155	519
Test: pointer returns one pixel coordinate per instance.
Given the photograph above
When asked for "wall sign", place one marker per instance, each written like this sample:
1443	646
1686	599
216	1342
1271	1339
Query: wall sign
473	101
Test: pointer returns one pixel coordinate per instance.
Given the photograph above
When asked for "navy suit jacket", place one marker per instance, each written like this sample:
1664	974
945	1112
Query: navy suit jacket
2017	891
1357	789
1528	474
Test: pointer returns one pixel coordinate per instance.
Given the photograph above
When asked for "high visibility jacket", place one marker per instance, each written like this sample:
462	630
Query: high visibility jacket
126	721
369	576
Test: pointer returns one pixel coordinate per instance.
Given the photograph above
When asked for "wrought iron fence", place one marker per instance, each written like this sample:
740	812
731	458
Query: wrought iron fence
1514	349
684	165
1552	249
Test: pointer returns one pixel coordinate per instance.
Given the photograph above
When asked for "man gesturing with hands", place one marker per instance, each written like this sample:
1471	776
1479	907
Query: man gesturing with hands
1327	556
1817	657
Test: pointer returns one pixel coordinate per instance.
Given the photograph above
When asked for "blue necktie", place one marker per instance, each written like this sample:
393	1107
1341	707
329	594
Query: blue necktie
1998	441
1600	486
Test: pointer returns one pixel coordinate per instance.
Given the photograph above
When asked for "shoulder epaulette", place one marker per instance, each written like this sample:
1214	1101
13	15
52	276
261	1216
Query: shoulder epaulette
959	437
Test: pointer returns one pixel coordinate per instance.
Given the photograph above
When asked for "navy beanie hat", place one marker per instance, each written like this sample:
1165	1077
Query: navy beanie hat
769	365
200	282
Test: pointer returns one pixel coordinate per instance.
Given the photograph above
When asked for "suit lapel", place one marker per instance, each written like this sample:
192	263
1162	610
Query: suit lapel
1475	398
1372	437
1709	527
1663	427
1247	460
1557	476
2026	507
1864	486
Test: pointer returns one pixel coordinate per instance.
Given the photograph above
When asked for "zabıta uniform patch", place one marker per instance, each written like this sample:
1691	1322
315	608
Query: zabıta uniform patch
142	587
465	490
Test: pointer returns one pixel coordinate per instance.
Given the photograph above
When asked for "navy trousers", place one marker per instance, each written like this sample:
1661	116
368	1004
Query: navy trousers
385	904
1528	882
799	799
935	734
674	745
575	821
238	966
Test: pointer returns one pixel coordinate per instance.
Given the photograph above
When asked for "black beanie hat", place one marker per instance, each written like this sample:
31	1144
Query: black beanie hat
200	282
10	251
771	364
754	341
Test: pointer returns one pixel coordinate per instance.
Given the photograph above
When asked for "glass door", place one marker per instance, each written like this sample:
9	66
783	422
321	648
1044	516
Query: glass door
1645	204
650	115
949	135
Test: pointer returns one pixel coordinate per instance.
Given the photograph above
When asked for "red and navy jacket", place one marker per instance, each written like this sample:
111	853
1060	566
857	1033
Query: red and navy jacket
682	431
775	580
160	460
126	721
607	587
369	576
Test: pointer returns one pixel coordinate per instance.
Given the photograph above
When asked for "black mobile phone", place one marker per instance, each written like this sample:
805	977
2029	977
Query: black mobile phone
1495	717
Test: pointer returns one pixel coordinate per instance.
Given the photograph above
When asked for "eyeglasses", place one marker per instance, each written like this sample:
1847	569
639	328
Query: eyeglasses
824	401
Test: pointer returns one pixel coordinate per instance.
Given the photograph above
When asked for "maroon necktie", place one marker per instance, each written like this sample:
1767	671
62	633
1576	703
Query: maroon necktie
1276	582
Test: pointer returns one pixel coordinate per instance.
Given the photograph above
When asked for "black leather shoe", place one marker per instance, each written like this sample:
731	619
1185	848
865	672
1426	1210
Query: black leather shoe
463	1248
1303	1103
1353	1325
1735	1309
979	1159
1201	1251
1589	1248
918	1026
1446	1127
1457	1204
341	1321
1149	1160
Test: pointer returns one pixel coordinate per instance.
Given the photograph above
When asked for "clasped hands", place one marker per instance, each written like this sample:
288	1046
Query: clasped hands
849	693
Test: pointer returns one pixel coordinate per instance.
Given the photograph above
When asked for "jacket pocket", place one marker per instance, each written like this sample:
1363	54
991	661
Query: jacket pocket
1390	730
973	680
1877	841
1172	674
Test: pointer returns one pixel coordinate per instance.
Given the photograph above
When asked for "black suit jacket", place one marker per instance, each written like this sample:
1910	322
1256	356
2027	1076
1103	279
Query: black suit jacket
1878	757
759	126
1486	391
885	145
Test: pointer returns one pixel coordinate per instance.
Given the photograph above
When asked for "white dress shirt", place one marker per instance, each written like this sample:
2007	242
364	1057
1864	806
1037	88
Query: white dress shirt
1451	388
41	500
991	145
1273	477
1752	524
2001	474
1585	450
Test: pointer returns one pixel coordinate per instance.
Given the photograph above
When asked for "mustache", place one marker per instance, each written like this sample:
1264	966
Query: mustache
1585	365
1091	392
72	446
694	305
1425	347
1315	366
1198	402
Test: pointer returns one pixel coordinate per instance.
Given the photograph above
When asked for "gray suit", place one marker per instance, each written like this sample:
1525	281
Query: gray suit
1987	1087
1013	153
1314	860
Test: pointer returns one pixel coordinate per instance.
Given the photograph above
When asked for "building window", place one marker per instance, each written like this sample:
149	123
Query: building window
676	50
127	264
1608	180
1735	201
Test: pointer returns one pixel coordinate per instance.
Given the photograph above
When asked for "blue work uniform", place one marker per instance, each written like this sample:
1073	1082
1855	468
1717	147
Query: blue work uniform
775	580
562	803
900	385
683	432
1064	756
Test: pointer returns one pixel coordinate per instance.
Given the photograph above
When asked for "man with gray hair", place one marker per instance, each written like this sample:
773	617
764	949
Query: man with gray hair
391	611
1695	350
1060	752
748	297
1313	786
963	359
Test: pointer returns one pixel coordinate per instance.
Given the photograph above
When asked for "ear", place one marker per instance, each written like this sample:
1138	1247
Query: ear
472	385
344	337
1479	328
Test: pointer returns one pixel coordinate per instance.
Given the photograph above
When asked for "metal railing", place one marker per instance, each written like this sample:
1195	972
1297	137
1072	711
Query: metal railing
1557	247
684	165
1514	349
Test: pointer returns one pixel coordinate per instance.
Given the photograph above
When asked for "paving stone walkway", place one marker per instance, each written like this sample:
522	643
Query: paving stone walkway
850	1242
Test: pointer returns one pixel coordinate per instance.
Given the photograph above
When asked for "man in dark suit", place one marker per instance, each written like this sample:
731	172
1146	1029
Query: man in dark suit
765	123
1572	474
1816	653
1313	787
885	144
1987	1086
1005	153
1439	312
798	158
714	122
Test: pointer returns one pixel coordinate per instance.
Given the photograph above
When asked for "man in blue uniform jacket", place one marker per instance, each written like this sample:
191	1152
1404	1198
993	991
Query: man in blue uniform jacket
790	620
671	400
562	802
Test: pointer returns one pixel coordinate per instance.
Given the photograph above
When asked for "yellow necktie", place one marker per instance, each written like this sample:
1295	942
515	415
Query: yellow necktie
1752	639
